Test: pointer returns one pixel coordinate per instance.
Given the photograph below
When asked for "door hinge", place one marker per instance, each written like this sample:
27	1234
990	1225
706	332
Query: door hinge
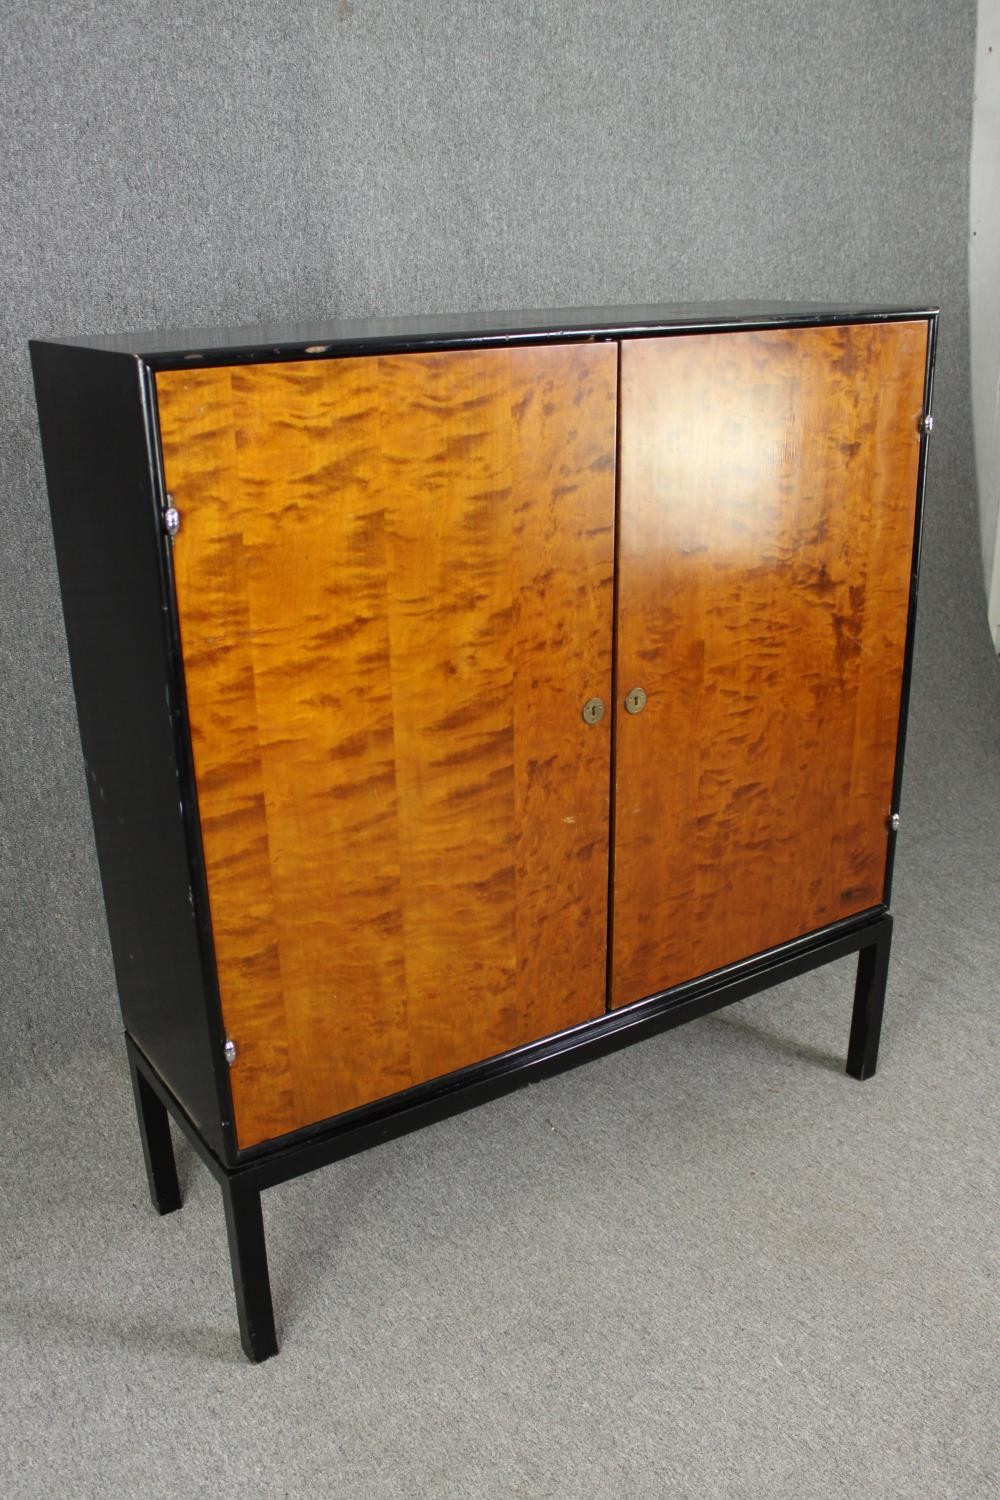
229	1051
926	424
894	822
171	518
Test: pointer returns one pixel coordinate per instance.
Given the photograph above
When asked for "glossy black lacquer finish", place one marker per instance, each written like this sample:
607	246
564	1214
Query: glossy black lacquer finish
157	1147
106	526
869	1003
911	621
869	935
248	1258
325	338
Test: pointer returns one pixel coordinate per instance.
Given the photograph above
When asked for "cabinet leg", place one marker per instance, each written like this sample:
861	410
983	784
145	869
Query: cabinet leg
248	1253
869	1001
157	1147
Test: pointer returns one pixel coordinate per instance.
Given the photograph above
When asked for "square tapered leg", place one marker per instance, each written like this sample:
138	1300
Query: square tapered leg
248	1253
869	1002
157	1147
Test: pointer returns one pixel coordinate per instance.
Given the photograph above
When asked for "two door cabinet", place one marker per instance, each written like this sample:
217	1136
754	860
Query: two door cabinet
462	698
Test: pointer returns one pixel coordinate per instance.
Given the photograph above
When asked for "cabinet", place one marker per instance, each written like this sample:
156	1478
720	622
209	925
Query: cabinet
461	698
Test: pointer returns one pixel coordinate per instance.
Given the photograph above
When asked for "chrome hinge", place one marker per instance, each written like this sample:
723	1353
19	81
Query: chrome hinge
894	822
926	424
229	1052
171	517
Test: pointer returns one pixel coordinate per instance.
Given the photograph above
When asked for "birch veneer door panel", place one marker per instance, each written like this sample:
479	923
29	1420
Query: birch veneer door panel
394	581
768	485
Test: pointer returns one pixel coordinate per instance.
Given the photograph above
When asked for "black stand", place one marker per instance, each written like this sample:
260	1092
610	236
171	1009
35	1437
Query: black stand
157	1147
869	936
240	1200
869	1002
248	1254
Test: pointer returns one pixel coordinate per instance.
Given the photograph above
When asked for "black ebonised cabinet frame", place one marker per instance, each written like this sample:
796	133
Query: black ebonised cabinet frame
101	440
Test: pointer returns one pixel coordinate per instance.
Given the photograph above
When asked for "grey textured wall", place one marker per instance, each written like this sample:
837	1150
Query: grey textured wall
194	163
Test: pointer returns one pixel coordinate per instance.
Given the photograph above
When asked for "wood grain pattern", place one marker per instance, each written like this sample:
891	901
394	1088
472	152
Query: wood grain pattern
394	579
767	498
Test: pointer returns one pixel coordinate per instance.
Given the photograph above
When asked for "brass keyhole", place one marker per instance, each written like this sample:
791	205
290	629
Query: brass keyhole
593	710
635	701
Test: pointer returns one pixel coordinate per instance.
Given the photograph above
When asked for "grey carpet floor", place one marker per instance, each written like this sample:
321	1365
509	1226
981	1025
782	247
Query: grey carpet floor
711	1265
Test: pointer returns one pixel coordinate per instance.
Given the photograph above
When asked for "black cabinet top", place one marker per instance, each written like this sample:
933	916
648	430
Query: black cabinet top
270	341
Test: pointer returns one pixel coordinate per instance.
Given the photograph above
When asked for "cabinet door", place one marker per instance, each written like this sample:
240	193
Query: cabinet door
394	580
767	497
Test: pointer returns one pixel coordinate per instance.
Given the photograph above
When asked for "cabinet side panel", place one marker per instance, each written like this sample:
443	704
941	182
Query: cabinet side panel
768	495
105	524
394	581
